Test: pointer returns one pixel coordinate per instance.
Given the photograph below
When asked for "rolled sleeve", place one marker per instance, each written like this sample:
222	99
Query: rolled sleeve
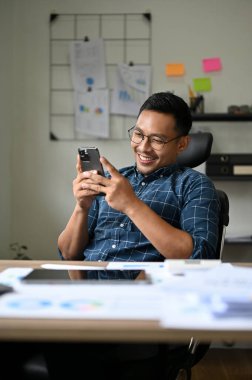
200	217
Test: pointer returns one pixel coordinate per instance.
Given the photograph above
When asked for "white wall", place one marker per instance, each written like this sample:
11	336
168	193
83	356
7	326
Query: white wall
39	184
5	124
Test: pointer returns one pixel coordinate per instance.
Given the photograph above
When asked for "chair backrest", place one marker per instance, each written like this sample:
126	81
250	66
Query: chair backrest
197	152
224	220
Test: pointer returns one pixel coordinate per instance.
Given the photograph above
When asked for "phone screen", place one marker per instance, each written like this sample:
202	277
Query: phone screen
46	276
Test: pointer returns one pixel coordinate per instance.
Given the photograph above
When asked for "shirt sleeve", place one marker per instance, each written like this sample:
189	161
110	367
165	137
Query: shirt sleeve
200	216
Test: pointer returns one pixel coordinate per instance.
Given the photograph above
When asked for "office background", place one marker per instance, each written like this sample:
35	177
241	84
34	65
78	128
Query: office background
36	173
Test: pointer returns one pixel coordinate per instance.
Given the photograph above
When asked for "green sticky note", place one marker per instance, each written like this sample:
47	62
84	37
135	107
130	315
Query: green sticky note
202	84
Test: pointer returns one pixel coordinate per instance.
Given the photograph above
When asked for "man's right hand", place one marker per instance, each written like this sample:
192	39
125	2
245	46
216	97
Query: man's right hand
84	197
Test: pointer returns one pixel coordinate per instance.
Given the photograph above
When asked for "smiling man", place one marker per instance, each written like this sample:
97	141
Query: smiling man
153	210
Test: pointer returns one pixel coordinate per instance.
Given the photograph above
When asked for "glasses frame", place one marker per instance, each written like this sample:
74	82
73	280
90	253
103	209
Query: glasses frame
148	138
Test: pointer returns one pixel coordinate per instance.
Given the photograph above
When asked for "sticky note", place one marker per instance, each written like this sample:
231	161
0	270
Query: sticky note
202	84
175	69
211	64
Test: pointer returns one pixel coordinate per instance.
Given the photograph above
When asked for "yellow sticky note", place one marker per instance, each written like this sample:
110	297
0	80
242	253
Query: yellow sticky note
175	69
202	84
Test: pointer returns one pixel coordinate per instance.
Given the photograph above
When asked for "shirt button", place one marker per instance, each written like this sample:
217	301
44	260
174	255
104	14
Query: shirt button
143	183
161	175
113	246
121	225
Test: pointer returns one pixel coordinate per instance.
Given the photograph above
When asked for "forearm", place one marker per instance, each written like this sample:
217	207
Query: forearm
169	241
74	237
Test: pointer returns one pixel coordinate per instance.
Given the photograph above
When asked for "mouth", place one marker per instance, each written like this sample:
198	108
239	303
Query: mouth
145	160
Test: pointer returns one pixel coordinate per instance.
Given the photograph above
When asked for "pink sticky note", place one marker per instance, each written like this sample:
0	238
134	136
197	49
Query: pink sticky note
211	64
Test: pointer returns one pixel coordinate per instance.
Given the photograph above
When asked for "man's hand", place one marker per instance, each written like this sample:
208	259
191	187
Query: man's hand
118	191
84	196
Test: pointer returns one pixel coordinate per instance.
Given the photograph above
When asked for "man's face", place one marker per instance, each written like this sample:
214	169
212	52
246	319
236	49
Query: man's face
152	123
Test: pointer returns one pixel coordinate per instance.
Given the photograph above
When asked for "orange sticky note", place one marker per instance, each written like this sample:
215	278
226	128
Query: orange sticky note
175	69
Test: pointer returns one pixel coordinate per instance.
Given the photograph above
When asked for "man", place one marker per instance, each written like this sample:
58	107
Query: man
152	211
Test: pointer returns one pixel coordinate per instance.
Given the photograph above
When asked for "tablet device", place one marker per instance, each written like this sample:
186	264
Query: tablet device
52	276
5	289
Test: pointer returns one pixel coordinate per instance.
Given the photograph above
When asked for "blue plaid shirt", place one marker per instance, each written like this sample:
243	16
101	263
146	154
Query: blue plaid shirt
182	197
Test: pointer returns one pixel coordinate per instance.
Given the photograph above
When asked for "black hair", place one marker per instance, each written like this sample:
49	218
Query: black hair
168	103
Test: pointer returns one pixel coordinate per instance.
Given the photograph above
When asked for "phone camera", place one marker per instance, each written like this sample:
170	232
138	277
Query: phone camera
84	155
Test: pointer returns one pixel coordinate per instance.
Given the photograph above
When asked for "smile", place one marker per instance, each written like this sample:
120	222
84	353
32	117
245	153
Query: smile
145	159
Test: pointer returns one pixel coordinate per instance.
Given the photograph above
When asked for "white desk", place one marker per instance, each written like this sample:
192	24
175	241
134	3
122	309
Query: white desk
18	329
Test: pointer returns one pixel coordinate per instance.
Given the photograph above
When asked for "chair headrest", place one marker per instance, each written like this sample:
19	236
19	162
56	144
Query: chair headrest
198	150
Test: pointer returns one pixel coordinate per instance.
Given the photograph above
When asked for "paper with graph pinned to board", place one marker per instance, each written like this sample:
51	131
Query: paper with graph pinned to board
87	64
92	112
131	89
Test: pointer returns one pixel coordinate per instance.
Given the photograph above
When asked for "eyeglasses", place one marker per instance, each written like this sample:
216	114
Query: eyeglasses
156	142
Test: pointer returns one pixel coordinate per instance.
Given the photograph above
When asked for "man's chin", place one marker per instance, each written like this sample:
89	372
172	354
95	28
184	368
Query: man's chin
145	170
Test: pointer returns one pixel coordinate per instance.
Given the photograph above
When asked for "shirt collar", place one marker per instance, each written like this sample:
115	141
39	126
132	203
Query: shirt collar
161	172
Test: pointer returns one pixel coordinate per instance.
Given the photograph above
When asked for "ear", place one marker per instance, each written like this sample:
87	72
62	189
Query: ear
183	143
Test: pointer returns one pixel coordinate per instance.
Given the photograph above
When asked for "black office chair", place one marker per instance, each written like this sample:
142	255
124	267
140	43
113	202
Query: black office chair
198	151
179	361
35	368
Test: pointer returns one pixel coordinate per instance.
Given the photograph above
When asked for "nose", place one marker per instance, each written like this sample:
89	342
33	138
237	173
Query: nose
145	143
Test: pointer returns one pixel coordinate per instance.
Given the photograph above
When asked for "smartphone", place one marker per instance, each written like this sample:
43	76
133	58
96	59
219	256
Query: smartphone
90	159
45	276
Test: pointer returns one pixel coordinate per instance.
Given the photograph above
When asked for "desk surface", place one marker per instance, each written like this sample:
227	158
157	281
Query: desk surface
15	329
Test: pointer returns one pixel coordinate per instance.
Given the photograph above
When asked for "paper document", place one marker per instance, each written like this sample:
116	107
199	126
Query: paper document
83	301
87	60
219	298
69	266
92	112
191	264
13	276
135	265
131	90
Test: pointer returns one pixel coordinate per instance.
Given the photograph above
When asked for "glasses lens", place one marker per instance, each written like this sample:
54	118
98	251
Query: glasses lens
156	143
135	136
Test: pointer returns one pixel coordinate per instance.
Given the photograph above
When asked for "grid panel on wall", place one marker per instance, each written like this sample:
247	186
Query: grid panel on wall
127	39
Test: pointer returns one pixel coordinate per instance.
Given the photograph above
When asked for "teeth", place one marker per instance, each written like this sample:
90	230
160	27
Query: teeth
145	158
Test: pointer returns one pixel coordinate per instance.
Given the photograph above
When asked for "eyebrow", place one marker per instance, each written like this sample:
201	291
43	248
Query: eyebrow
154	134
